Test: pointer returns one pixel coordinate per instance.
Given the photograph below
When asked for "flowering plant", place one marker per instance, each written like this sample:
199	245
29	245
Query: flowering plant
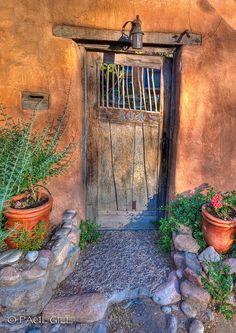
220	208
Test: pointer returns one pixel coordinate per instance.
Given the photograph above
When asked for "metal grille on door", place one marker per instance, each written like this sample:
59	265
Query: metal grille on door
129	91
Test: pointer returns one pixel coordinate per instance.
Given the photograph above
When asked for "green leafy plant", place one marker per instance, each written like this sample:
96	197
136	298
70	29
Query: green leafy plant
89	233
219	206
219	284
28	156
184	210
27	242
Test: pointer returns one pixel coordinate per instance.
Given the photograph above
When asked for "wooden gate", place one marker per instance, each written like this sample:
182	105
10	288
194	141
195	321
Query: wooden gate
127	134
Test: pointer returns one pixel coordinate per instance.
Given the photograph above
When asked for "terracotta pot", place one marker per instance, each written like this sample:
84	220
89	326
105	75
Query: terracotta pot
216	232
27	218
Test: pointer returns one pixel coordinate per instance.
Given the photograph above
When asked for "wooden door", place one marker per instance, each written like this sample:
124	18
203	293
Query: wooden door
127	120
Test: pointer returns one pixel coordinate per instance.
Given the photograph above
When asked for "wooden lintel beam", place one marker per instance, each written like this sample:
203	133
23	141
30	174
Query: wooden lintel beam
114	36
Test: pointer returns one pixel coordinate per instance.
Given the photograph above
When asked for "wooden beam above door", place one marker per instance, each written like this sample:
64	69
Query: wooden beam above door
86	34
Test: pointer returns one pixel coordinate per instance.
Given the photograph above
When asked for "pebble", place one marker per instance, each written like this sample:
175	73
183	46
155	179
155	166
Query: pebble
180	273
171	324
166	309
10	257
31	256
188	310
209	314
196	327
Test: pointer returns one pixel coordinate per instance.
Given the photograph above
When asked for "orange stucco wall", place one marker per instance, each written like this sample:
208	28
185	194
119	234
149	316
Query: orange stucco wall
31	58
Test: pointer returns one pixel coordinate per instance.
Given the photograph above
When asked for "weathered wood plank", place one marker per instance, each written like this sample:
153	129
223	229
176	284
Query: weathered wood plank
155	38
139	181
106	185
151	144
122	148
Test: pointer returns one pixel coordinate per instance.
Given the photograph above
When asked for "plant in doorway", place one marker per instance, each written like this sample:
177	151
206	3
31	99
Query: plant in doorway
28	158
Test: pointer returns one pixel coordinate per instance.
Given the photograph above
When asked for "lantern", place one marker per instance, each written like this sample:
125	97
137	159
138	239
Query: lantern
136	34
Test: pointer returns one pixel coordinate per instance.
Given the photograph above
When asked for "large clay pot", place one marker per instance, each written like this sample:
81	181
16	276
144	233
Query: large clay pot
27	218
216	232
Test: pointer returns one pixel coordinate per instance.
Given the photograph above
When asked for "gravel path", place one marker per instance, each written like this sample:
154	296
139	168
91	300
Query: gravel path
121	260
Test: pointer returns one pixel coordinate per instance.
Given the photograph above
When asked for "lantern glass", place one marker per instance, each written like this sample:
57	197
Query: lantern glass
137	40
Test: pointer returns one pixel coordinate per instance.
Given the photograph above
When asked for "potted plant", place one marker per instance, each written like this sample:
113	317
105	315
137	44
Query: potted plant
219	223
28	158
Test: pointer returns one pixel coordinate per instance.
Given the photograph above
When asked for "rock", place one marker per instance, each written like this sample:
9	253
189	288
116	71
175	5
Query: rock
31	256
171	276
12	297
175	307
196	327
60	250
9	276
85	308
74	237
232	299
167	293
193	277
46	253
179	260
62	232
192	262
184	229
188	310
69	214
209	315
231	262
35	272
10	257
55	328
195	295
101	328
171	324
33	330
43	262
185	242
180	273
209	255
166	309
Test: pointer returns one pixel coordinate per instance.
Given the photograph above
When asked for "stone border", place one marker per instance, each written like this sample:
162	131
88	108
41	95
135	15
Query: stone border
27	282
184	284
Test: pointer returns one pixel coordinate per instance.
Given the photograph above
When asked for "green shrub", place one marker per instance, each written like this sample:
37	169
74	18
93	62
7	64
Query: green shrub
219	284
28	156
184	210
89	233
27	242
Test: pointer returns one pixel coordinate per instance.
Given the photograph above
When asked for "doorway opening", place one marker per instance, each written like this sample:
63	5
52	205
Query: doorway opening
127	131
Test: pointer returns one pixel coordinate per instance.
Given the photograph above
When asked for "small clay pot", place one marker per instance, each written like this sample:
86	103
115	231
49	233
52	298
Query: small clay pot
216	232
27	218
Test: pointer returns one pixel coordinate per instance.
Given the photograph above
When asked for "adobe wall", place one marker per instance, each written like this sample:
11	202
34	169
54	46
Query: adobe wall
31	58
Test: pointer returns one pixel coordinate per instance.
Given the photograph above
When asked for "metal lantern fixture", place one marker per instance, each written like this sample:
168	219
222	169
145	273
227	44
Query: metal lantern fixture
136	35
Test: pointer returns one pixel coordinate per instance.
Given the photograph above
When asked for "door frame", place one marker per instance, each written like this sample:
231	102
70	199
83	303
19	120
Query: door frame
168	115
